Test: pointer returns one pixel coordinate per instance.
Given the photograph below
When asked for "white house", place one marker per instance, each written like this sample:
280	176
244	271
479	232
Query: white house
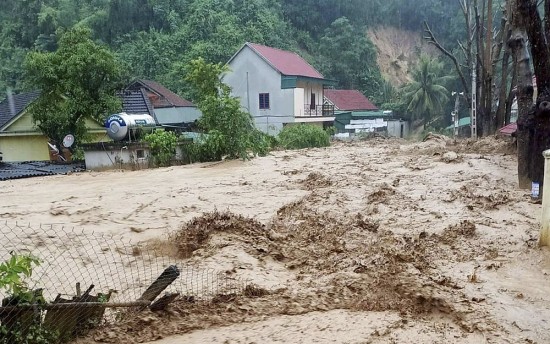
278	87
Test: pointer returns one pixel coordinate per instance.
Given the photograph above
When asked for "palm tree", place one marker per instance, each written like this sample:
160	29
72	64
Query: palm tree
426	95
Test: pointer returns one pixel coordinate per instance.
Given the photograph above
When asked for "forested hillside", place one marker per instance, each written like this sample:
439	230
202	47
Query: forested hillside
155	39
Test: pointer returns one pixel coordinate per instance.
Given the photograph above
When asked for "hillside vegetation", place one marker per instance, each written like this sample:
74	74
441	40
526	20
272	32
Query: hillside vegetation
156	39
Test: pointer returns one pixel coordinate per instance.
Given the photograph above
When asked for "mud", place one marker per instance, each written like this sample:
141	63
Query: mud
378	241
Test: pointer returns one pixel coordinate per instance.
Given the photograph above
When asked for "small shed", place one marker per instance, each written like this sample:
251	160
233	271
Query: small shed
361	121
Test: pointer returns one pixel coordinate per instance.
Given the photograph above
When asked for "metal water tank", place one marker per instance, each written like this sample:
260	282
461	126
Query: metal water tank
122	126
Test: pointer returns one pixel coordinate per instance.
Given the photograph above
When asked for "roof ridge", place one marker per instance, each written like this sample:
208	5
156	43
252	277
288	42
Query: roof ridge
148	104
275	48
286	62
251	46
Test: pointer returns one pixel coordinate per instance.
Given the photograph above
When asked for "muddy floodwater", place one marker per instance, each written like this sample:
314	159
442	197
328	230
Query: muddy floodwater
380	241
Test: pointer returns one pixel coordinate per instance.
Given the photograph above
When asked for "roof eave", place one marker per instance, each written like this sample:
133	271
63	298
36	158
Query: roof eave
12	120
237	53
289	81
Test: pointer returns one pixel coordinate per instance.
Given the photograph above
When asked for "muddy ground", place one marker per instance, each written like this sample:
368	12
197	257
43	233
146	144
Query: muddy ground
380	241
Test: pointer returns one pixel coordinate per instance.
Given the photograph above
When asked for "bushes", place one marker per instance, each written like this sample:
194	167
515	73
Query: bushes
22	326
229	129
303	136
163	146
213	146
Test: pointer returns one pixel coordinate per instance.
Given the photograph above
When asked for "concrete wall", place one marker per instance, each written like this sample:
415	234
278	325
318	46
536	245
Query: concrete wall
115	158
113	155
309	88
397	128
177	115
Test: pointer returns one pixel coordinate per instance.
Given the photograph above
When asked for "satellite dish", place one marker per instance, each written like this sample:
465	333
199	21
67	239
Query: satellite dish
68	141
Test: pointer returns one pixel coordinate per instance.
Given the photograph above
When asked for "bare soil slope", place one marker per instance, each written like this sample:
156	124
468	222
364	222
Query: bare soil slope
398	52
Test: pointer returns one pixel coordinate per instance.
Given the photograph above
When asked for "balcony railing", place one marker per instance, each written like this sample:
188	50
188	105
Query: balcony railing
318	110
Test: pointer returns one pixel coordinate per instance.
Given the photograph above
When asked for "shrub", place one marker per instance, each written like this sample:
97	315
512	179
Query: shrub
230	130
207	147
163	146
24	328
303	136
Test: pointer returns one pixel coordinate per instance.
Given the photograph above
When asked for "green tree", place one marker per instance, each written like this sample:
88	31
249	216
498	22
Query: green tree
77	81
426	95
349	57
230	130
145	55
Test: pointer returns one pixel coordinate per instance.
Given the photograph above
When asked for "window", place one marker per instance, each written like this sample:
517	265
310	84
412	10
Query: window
312	104
140	153
264	101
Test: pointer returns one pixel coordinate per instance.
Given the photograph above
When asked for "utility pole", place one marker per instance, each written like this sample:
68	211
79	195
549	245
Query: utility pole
454	114
473	118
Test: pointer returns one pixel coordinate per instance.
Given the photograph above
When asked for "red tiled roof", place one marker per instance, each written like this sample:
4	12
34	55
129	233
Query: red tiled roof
286	62
349	100
509	129
170	98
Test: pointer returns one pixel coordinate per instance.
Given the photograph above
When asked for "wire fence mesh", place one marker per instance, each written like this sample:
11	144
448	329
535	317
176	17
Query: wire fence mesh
87	279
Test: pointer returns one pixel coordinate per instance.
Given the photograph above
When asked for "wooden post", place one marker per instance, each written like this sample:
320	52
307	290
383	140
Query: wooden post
166	278
545	228
163	302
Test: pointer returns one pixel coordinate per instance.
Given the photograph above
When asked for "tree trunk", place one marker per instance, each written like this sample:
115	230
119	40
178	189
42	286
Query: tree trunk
533	122
525	101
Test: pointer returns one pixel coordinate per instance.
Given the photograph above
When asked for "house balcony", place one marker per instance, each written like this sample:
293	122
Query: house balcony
318	111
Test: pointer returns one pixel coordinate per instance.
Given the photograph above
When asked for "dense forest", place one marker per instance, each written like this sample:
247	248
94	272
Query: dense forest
155	39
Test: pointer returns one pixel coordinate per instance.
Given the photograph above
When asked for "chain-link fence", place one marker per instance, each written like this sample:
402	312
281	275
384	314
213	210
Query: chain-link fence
85	279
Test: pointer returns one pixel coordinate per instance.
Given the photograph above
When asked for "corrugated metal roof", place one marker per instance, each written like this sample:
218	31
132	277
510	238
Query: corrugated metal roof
349	100
464	121
36	169
21	101
286	62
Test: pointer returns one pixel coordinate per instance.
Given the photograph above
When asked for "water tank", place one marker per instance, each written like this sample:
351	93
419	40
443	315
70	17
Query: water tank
122	126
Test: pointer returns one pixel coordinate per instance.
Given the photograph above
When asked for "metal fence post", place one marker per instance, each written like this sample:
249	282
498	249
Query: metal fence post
545	228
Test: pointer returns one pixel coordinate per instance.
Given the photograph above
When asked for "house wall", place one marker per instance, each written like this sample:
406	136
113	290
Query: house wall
111	158
250	75
21	141
24	148
23	123
309	88
299	108
32	146
177	115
